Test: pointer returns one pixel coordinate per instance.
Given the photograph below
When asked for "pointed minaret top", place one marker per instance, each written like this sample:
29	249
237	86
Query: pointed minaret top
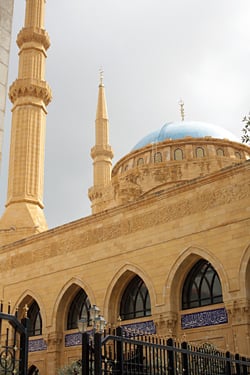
101	71
101	111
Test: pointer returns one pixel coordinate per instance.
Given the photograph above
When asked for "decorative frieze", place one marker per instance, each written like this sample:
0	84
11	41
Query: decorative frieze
91	235
204	318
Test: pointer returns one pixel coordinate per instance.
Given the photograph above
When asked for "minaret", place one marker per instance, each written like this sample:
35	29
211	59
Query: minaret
101	153
30	94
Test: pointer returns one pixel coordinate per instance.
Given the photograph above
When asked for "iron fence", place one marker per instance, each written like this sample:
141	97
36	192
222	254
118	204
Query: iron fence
120	354
13	344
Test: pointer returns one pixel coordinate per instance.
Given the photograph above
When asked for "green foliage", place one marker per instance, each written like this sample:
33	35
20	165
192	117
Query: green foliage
246	130
73	368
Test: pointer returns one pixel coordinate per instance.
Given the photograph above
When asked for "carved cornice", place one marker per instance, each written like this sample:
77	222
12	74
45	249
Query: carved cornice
95	229
167	320
238	308
31	34
95	193
30	87
104	151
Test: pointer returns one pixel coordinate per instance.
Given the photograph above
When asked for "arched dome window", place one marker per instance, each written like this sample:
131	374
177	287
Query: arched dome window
202	286
220	152
78	309
157	157
35	320
135	302
140	161
178	154
200	153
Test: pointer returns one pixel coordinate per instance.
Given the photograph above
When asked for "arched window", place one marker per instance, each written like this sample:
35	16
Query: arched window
200	152
35	323
78	309
238	155
202	286
178	154
140	161
157	157
135	301
220	152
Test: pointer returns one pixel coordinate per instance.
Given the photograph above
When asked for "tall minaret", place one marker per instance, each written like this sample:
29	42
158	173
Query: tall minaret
30	94
101	153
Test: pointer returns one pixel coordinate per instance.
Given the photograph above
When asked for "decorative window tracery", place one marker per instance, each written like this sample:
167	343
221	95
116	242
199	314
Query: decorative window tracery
135	301
35	320
78	309
202	286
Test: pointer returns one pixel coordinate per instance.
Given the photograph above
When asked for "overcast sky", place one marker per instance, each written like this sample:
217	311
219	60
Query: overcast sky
153	53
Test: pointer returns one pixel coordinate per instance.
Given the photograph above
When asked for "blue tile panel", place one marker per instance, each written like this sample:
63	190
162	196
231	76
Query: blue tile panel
204	318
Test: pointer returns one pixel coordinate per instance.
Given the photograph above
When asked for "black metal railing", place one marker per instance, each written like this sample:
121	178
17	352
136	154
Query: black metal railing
121	354
13	343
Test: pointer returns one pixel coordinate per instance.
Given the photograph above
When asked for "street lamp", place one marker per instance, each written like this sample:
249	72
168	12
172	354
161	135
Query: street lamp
95	320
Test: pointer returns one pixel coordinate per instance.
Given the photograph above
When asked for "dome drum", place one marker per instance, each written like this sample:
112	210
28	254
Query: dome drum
171	162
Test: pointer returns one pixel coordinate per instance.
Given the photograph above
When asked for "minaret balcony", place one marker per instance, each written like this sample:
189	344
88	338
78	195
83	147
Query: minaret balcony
31	35
32	88
102	150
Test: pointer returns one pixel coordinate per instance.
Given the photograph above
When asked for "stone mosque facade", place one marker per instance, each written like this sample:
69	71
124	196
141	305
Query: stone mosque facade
166	249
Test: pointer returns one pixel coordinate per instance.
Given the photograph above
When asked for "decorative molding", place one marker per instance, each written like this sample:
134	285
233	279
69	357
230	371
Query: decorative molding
239	310
30	87
31	34
204	318
37	345
97	232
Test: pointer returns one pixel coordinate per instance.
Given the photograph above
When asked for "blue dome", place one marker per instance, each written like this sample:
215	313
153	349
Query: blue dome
182	129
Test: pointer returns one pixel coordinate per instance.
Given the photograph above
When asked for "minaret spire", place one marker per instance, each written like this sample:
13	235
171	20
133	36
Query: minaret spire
30	94
101	153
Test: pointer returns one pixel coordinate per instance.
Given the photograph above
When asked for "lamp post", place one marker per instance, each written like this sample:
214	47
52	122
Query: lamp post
97	322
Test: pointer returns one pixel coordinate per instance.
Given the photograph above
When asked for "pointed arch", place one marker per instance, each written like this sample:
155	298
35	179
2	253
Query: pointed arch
180	269
244	272
64	300
117	287
201	287
33	370
36	312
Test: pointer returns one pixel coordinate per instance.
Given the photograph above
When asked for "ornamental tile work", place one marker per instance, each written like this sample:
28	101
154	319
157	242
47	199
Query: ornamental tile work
37	345
73	339
141	328
204	318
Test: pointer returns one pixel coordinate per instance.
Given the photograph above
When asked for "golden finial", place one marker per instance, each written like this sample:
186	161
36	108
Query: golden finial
181	103
26	309
101	71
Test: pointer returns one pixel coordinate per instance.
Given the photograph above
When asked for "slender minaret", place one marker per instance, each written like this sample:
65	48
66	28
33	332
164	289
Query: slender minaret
101	153
30	94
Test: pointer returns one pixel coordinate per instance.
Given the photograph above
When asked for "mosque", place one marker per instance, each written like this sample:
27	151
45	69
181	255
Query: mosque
166	249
